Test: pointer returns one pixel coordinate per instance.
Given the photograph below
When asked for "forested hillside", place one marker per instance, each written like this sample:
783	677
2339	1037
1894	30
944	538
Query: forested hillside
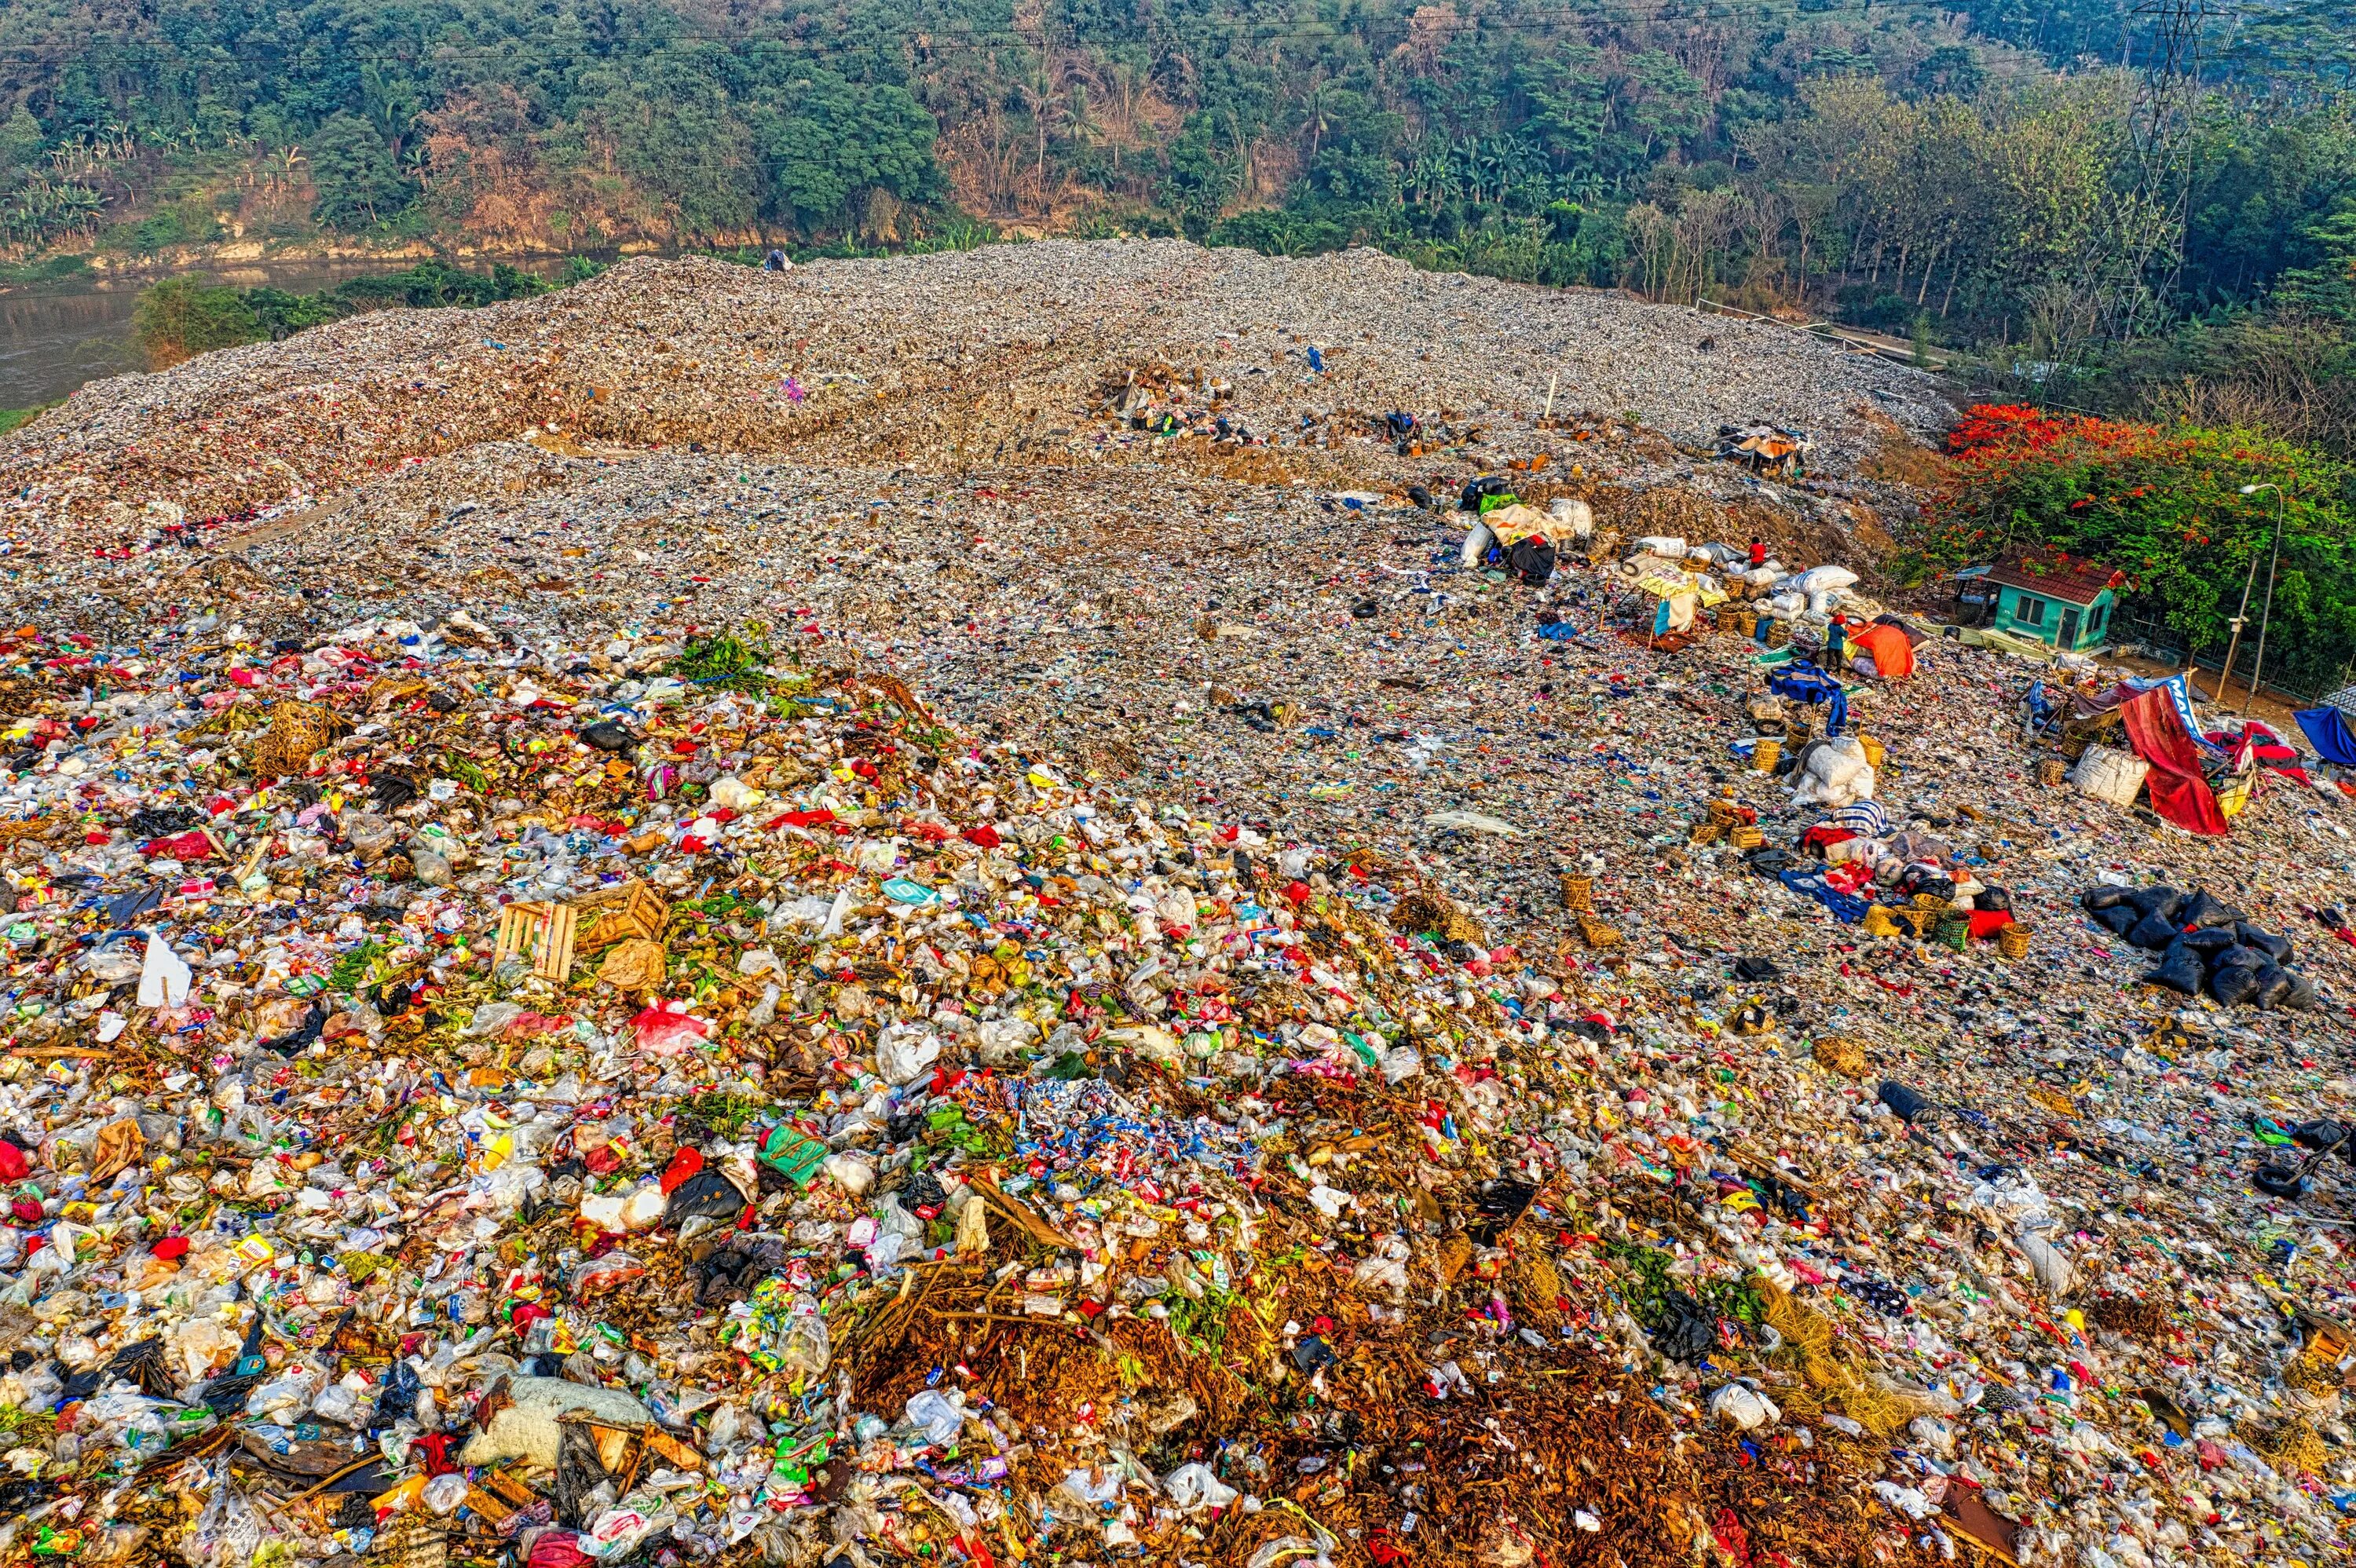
1981	176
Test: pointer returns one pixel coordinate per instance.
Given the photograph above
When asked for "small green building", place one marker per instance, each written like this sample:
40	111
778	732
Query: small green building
2061	602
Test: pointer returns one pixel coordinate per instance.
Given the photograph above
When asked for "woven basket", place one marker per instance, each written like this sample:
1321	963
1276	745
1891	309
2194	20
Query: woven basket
1874	750
1745	837
298	730
1797	732
2052	773
1931	901
1703	833
1879	921
1954	933
2012	941
1597	935
1778	634
1766	754
1577	892
1744	622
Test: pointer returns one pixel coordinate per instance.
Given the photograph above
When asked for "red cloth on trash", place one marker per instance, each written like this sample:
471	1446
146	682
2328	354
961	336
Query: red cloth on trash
1892	655
2179	790
1987	922
1822	838
683	1164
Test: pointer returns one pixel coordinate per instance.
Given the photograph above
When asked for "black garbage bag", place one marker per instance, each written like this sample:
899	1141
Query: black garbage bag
2160	899
397	1399
296	1040
730	1270
2234	985
1532	561
2094	900
2276	947
2154	932
2234	956
923	1196
2207	944
1487	485
143	1363
392	790
1683	1329
608	736
224	1395
1771	861
162	821
707	1193
2321	1135
2302	997
1495	1206
2179	970
1995	899
1312	1353
2205	909
2119	918
2274	985
2281	1175
1904	1102
1756	969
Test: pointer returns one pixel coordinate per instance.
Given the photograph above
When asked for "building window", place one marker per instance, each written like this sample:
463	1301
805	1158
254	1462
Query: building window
2028	612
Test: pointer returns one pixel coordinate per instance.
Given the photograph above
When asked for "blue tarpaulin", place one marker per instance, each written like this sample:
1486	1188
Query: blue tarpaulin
2327	731
1803	682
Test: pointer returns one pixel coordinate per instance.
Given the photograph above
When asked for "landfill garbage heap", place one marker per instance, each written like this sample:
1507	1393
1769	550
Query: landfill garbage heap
471	1143
607	1086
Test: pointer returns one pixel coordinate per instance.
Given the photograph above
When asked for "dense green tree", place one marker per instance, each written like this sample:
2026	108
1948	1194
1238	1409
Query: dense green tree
357	184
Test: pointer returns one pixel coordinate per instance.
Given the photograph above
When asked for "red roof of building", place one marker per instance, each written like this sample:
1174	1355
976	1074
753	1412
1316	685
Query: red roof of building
2071	581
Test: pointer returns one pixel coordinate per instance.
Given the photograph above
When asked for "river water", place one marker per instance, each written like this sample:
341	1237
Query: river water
55	337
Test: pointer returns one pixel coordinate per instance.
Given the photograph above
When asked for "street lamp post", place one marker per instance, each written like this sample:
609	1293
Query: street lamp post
2266	612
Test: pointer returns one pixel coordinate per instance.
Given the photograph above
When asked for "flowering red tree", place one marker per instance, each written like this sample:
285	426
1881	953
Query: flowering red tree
2164	506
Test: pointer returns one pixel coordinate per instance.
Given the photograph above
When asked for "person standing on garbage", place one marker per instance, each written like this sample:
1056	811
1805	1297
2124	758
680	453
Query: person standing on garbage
1758	553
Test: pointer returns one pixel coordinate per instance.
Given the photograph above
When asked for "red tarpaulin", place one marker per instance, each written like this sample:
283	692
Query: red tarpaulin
2179	791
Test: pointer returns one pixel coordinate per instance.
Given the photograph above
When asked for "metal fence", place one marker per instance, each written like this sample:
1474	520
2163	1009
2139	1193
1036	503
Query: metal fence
2168	645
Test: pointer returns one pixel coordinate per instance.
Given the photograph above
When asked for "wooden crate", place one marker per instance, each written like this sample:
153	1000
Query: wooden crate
617	914
543	933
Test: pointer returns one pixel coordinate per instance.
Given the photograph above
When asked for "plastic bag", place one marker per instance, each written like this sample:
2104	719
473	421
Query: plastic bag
2160	899
443	1494
1744	1408
228	1533
939	1416
707	1193
900	1057
662	1032
2053	1271
1193	1488
2119	919
2153	932
2093	900
808	1345
2273	985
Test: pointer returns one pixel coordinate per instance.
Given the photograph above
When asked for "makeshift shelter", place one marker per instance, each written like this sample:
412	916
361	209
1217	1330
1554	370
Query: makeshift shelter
2062	604
1891	650
2327	733
2179	790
